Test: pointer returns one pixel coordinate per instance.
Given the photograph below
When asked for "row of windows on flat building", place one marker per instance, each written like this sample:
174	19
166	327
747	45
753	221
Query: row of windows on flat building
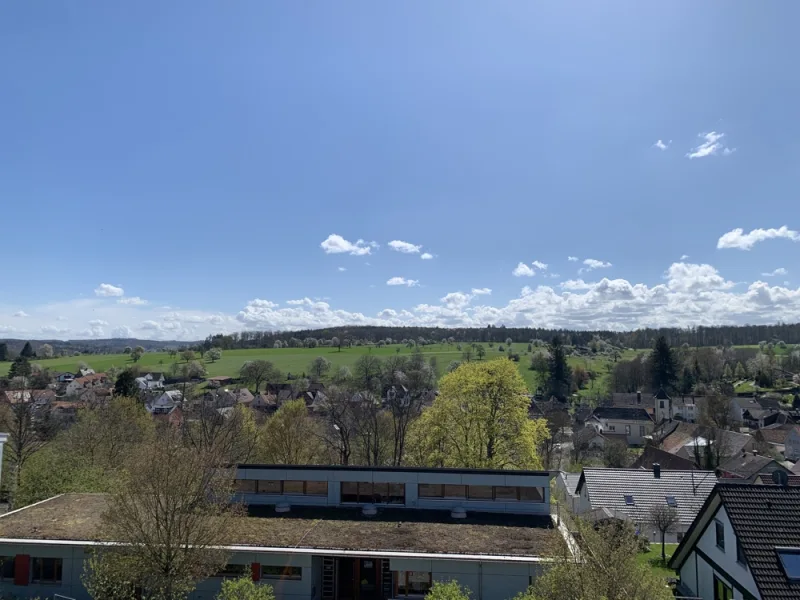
642	431
361	492
42	570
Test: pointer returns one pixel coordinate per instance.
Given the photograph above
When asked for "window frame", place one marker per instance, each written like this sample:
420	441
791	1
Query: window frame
674	503
625	498
282	576
37	563
740	557
4	561
727	590
719	526
642	431
232	573
628	430
365	493
780	551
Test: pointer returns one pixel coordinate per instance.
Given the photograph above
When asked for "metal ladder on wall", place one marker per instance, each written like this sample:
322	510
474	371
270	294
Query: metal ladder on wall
386	579
328	578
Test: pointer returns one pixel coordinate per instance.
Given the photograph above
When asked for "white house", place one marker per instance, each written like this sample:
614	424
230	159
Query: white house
744	543
150	381
632	495
634	423
791	445
86	382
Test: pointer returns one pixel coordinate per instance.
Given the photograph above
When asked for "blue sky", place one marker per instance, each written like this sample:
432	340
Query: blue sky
198	155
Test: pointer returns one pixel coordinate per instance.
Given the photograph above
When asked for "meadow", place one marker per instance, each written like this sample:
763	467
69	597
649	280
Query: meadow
297	360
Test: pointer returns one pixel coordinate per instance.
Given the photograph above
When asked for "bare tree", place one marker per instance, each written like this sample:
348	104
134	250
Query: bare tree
25	435
665	519
234	437
337	432
171	518
372	430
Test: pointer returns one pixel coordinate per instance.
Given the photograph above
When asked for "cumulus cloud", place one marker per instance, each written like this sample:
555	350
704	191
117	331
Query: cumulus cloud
523	270
21	314
98	323
342	269
661	145
778	271
573	258
592	264
456	300
481	291
710	146
336	244
107	290
426	256
692	278
404	247
123	331
740	240
402	281
684	257
576	284
53	330
132	300
537	264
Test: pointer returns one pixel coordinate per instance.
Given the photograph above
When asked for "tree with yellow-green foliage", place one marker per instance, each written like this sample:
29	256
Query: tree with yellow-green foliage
479	420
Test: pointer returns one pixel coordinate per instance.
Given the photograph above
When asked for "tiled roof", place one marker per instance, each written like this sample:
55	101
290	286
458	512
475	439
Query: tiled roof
608	488
570	481
651	455
764	517
683	433
774	434
621	413
746	465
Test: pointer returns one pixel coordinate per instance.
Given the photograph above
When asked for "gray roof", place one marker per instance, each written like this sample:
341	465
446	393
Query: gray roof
619	413
607	488
570	481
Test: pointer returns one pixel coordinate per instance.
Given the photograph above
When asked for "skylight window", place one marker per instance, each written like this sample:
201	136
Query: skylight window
672	502
629	500
790	561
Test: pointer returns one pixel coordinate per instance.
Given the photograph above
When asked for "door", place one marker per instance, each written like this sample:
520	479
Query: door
346	578
368	579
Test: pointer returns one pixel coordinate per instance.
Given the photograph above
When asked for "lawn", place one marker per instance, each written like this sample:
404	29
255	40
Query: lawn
297	360
653	559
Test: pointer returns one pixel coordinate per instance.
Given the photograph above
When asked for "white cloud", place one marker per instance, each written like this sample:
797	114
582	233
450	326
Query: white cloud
539	265
404	247
52	330
426	256
710	146
737	238
684	257
98	323
342	269
692	278
481	291
21	313
573	259
456	300
336	244
7	329
123	331
576	284
402	281
778	271
132	300
661	145
61	318
523	270
592	264
107	290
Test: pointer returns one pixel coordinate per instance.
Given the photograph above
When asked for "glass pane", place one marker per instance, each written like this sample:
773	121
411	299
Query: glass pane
365	492
430	490
279	572
791	563
505	493
531	494
380	493
293	487
349	491
480	492
269	487
455	491
7	568
397	493
246	486
317	488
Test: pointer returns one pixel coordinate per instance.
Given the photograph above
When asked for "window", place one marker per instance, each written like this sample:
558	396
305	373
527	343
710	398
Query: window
397	493
7	568
292	487
233	571
790	561
722	591
505	493
413	583
480	492
661	404
46	570
629	500
349	491
430	490
531	494
269	487
612	427
672	502
642	431
455	491
740	558
245	486
720	531
282	573
316	488
627	429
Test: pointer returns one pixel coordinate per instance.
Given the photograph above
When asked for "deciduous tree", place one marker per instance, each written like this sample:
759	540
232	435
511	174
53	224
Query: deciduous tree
245	588
126	384
45	351
664	518
256	371
289	436
214	354
320	367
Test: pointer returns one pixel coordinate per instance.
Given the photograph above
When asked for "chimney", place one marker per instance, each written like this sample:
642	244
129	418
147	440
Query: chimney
638	397
656	470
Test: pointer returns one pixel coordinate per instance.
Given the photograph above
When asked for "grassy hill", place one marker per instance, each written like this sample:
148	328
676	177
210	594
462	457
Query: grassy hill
297	360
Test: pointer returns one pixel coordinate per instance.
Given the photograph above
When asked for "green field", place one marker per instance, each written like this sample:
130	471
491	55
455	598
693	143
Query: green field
296	361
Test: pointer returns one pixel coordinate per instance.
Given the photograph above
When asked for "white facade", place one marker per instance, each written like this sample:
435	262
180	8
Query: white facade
635	432
708	561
